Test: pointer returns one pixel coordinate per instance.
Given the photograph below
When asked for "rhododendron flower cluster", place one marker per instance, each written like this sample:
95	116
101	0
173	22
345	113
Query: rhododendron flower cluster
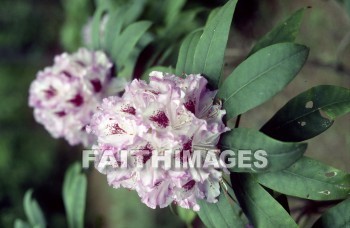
169	114
65	95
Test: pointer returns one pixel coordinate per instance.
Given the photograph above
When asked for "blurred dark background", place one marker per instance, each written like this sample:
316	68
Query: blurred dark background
33	31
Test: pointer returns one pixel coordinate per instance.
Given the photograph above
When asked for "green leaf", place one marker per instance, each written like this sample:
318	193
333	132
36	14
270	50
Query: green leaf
220	214
335	217
280	155
133	9
173	10
70	34
123	15
21	224
260	207
309	179
308	114
209	54
128	68
212	14
96	26
261	76
186	215
285	32
126	42
114	26
346	5
74	194
33	212
185	59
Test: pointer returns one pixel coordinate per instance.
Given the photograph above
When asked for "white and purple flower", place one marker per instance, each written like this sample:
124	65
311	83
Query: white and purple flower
168	114
65	95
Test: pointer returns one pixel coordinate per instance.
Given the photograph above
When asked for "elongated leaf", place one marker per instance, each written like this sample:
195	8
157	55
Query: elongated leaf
33	212
309	179
114	26
173	10
70	30
128	68
209	54
133	10
260	207
287	31
186	54
280	155
21	224
123	15
261	76
346	5
124	44
212	14
96	26
308	114
186	215
335	217
74	194
221	214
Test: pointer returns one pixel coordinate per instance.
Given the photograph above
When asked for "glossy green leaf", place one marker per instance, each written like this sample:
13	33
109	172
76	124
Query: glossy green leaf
186	54
260	207
261	76
33	212
309	179
209	54
126	42
221	214
280	155
287	31
308	114
74	194
335	217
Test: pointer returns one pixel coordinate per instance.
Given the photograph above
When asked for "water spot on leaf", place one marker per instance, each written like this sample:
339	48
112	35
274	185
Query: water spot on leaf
309	104
325	192
330	174
325	115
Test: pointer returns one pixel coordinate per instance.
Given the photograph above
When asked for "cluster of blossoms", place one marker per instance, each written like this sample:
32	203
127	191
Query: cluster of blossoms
65	95
168	114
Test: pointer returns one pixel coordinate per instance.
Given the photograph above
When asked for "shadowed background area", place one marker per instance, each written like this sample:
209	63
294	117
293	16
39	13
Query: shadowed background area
32	32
